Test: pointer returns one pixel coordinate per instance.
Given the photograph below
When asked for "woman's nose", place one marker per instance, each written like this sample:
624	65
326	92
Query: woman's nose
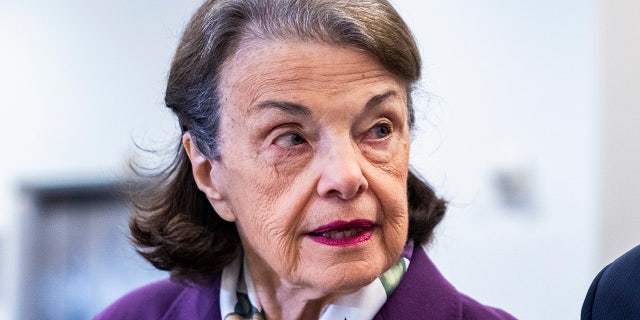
341	174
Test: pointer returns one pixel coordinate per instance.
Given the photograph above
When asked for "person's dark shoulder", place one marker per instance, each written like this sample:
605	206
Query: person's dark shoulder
615	291
149	302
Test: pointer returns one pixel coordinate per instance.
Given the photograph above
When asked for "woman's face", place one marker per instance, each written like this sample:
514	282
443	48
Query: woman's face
315	144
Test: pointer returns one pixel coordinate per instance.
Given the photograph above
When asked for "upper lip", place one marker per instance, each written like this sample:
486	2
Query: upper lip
343	225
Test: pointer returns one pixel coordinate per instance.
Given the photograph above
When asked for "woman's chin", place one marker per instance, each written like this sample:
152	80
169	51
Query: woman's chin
345	278
345	269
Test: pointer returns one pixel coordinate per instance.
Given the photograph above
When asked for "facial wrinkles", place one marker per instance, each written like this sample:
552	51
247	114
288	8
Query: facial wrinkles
285	187
268	189
271	188
303	192
298	205
331	85
394	160
282	233
286	238
341	138
392	215
268	79
295	207
394	169
393	172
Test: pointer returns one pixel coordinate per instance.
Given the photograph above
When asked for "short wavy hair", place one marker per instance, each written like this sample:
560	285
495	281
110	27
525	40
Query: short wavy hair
173	225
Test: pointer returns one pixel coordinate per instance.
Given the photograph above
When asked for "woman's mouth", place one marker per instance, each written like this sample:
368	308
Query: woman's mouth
343	233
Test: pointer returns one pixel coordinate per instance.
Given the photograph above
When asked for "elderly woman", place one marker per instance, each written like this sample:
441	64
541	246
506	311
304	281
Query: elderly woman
291	196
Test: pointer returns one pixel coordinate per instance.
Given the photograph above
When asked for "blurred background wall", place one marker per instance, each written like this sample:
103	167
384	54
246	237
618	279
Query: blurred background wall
527	125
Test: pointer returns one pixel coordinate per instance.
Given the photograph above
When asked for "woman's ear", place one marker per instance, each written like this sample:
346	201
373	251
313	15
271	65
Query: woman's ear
201	168
207	178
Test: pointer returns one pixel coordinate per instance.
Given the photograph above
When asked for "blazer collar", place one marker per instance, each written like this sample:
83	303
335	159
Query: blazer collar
423	293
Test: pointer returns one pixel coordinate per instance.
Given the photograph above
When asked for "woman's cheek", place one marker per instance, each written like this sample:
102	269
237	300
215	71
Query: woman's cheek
387	154
281	241
288	165
272	214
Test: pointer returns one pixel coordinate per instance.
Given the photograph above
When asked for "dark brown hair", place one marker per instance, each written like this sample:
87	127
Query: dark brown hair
174	226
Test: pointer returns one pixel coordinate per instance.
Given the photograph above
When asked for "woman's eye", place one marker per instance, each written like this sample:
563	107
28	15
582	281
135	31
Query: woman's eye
289	140
381	131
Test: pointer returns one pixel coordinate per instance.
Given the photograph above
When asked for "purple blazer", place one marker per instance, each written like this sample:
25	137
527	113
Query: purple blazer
423	293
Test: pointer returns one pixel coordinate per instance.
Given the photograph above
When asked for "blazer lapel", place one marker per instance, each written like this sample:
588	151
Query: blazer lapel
423	293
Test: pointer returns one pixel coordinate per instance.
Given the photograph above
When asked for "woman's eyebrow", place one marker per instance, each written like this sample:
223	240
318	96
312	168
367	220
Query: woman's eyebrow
378	99
300	110
287	107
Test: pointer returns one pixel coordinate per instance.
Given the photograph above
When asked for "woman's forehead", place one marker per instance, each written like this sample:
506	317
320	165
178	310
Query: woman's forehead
262	71
300	57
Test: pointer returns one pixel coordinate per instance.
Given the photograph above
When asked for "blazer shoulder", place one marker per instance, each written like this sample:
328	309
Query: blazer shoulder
474	310
151	301
424	291
614	292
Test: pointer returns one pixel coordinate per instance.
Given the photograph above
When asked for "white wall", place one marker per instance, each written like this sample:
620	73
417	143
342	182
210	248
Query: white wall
78	80
507	84
512	85
620	218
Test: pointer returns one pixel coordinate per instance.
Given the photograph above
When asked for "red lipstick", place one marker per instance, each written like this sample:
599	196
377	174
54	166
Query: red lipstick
343	233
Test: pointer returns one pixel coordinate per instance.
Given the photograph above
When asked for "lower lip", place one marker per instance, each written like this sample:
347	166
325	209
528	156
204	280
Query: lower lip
344	242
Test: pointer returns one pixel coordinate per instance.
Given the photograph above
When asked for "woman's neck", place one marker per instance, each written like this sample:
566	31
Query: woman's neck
287	303
280	299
